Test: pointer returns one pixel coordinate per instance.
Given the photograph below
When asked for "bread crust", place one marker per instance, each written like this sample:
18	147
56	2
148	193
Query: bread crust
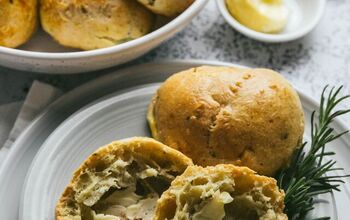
244	181
169	8
247	117
140	147
93	24
18	21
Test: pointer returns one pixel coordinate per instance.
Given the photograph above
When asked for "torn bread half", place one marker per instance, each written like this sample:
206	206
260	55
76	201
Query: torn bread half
122	180
221	192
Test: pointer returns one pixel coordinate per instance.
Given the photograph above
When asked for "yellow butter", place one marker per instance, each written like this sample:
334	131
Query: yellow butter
267	16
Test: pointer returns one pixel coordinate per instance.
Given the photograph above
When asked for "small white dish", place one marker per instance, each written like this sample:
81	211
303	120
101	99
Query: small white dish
303	17
42	54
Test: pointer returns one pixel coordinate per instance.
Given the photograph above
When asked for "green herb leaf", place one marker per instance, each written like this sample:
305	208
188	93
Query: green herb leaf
307	175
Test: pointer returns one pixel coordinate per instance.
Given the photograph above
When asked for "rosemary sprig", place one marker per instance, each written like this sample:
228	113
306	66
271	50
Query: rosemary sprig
308	173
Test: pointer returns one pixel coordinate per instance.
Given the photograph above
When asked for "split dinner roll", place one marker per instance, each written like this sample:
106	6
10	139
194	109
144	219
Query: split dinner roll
247	117
122	180
221	192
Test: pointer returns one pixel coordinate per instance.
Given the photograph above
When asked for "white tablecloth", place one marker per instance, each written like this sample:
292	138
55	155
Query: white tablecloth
16	116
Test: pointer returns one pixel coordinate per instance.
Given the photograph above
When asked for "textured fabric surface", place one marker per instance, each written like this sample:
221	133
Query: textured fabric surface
16	116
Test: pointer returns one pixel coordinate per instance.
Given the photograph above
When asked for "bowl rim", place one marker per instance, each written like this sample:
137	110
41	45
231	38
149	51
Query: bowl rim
190	12
271	38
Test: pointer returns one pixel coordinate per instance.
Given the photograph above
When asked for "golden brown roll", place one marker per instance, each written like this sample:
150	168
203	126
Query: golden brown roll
248	117
169	8
122	180
18	21
221	192
95	23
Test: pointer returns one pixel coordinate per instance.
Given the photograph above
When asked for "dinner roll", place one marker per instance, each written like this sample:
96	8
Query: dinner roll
95	23
169	8
18	21
248	117
122	180
221	192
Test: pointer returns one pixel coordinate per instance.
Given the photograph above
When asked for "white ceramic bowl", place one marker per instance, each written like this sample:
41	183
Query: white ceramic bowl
304	15
29	59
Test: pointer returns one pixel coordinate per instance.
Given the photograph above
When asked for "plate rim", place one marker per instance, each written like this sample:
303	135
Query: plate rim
73	123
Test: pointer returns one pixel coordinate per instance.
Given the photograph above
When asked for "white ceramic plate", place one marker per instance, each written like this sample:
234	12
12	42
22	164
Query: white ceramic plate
44	55
16	165
118	117
121	116
303	17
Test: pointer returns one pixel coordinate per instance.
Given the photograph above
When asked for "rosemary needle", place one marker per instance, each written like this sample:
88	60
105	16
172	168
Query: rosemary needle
307	175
